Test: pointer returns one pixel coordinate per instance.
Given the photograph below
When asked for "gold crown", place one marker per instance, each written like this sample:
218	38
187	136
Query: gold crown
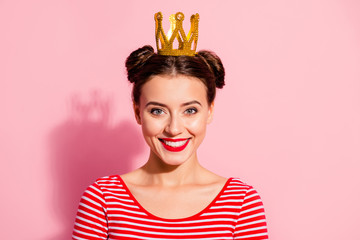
187	43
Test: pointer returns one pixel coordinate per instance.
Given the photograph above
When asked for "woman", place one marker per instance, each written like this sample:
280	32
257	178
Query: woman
172	196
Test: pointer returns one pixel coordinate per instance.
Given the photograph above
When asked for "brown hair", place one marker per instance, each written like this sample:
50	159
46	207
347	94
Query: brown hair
144	63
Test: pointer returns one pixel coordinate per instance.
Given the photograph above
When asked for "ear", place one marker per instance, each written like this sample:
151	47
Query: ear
210	113
136	108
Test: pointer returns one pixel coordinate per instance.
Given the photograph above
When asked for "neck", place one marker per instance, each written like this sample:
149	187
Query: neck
159	173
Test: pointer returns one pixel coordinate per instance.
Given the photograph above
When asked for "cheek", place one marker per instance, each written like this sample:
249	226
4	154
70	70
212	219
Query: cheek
151	127
197	126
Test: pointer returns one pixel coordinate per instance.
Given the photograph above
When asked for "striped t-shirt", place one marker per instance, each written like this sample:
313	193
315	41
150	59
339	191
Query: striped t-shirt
108	210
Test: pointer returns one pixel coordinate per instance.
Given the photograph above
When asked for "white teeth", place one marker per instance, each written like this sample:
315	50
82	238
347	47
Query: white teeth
175	144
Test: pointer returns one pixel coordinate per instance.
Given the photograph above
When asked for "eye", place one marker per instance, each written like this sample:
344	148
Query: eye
156	111
191	111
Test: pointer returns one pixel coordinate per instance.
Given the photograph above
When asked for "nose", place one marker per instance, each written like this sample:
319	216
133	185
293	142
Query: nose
174	126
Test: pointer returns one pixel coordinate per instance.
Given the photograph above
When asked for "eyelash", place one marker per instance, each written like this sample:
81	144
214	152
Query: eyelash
193	111
158	111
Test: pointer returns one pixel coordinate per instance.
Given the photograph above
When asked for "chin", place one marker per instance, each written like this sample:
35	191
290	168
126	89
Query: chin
171	158
174	160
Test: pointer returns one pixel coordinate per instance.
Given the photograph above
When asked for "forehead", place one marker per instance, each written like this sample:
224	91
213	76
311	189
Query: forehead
173	89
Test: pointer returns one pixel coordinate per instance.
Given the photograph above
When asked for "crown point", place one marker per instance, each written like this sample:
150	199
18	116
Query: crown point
158	16
179	16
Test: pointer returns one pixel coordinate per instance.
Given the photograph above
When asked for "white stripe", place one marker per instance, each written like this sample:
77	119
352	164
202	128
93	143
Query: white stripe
119	199
91	222
96	196
78	238
239	183
88	234
89	228
252	209
117	194
137	237
238	186
230	201
251	223
252	202
250	229
96	189
251	216
251	195
125	210
232	195
91	208
112	184
226	206
114	189
167	233
92	201
121	204
170	228
220	213
234	190
252	235
169	223
91	215
108	180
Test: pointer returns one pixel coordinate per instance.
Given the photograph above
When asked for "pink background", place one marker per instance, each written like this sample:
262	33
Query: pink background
287	121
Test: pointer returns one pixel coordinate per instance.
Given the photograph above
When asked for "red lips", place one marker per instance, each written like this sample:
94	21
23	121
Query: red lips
172	140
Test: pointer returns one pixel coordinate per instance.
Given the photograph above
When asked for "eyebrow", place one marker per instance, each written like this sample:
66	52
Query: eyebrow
164	105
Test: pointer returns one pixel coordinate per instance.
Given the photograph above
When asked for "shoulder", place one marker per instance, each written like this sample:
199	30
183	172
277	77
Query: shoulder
104	183
102	187
238	183
243	195
237	186
108	179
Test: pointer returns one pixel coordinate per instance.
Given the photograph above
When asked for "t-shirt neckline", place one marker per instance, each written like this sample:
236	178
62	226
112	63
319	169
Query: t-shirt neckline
174	219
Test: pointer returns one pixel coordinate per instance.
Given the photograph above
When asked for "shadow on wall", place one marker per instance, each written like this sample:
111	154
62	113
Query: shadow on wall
84	148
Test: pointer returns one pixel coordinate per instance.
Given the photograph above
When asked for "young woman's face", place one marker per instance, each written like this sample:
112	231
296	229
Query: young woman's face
173	113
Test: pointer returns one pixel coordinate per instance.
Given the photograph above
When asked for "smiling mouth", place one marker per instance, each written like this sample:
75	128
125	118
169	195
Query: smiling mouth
174	145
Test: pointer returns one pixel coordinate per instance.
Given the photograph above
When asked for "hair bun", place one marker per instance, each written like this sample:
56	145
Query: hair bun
137	59
215	65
